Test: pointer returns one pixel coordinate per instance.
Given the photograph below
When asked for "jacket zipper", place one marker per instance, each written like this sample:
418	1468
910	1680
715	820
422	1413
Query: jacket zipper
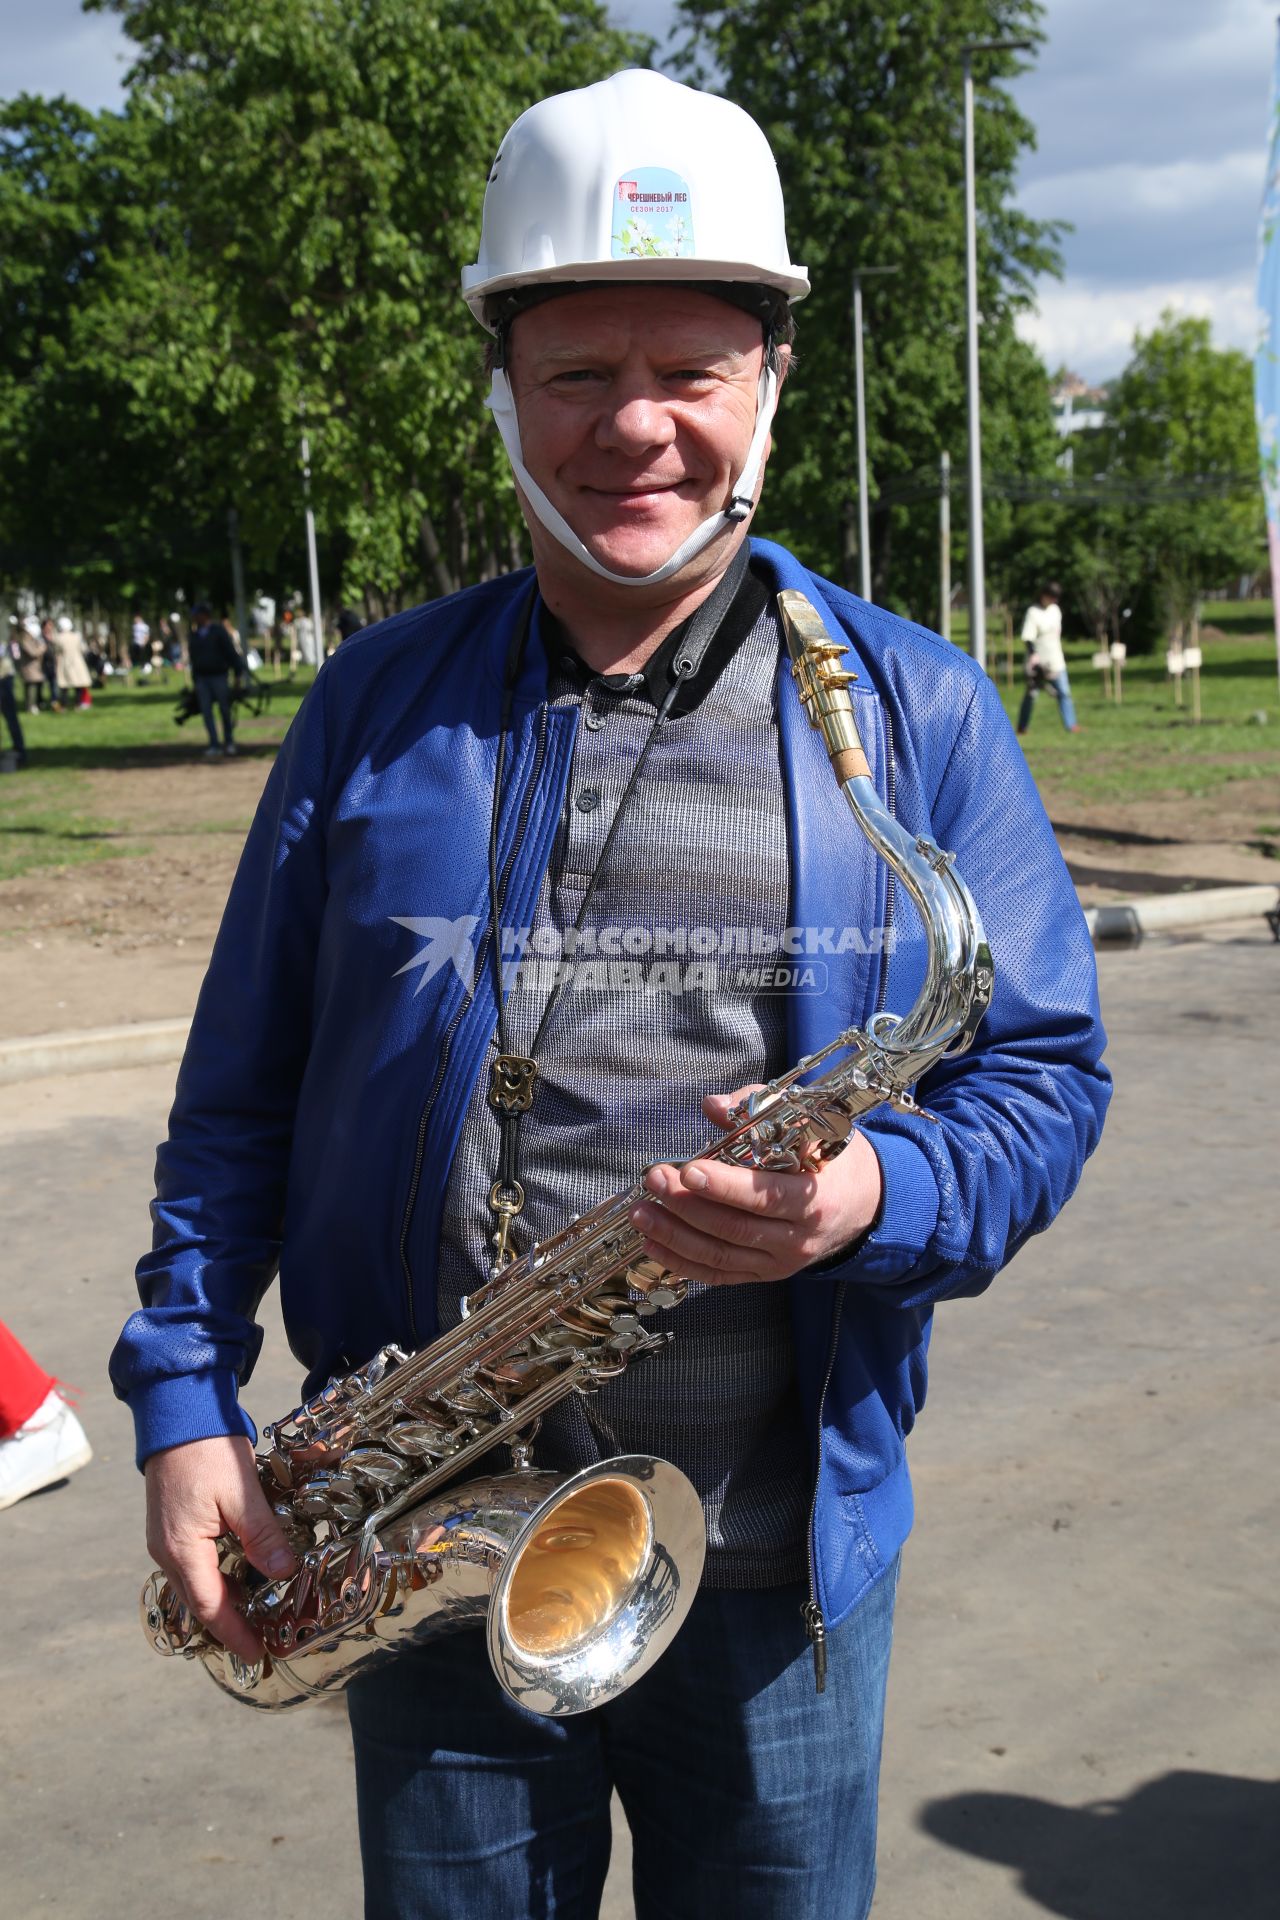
815	1625
811	1613
482	952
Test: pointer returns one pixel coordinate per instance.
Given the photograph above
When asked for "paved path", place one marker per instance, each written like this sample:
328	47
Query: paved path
1084	1694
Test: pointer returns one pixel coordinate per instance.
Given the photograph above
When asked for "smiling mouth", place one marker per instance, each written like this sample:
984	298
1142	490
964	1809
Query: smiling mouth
634	492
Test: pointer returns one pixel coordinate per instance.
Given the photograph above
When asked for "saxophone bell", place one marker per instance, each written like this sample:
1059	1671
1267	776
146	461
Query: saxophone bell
580	1583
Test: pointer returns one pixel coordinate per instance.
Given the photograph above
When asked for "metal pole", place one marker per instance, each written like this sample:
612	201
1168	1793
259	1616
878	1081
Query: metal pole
313	562
977	558
944	542
237	577
864	518
864	509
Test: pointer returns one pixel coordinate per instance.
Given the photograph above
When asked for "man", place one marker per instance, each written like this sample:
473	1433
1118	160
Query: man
333	1118
213	657
1046	664
9	705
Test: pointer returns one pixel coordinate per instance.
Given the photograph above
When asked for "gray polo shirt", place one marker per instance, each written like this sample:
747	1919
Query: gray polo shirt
650	1020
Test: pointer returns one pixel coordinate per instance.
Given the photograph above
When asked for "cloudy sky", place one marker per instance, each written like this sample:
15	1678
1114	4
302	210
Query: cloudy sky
1152	122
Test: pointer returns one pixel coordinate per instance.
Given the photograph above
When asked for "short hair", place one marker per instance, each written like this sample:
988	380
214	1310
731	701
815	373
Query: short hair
771	308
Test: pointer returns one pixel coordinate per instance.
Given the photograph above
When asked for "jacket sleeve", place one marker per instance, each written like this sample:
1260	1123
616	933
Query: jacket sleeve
221	1174
1016	1117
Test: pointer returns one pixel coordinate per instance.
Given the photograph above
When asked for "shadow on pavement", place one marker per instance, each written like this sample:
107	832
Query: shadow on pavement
1182	1847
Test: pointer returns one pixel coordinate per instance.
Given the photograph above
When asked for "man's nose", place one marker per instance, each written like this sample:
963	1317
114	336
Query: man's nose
635	419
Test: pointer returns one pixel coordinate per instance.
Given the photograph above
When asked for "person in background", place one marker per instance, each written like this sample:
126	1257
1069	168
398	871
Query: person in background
304	636
41	1441
31	661
8	702
73	667
49	663
213	658
1045	664
170	643
140	644
349	622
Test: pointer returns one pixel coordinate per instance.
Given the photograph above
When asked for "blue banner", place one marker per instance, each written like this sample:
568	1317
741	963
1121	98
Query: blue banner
1266	365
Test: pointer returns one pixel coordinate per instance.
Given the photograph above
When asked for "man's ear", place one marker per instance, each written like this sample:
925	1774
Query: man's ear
783	352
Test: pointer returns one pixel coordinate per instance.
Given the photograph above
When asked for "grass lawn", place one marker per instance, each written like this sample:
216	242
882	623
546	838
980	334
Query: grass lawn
59	810
52	814
1148	746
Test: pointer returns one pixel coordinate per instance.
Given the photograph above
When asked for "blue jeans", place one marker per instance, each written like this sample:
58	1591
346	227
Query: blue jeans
211	687
747	1792
1060	687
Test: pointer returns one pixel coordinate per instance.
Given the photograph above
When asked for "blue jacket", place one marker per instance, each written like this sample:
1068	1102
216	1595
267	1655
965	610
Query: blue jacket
322	1093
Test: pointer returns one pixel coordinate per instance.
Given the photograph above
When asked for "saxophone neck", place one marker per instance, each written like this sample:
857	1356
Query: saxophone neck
958	975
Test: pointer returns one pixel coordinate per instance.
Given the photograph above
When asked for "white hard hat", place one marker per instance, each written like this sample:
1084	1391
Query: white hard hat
635	178
64	625
32	625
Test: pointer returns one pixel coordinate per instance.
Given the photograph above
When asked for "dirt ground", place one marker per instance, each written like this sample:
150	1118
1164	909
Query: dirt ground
127	938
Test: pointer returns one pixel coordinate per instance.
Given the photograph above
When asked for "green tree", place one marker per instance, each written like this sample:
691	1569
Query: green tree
863	108
93	500
329	159
1179	455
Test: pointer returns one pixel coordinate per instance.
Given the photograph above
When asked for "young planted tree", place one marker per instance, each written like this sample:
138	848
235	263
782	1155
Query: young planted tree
1180	451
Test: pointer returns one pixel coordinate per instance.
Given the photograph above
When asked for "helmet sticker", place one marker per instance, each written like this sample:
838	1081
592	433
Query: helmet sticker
651	216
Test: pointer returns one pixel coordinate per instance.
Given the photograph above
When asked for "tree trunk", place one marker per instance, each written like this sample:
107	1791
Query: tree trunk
459	541
849	546
881	549
446	582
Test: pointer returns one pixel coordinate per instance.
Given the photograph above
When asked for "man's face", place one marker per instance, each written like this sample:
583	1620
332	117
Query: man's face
636	408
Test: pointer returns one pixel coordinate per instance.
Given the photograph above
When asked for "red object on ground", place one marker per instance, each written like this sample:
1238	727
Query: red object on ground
23	1385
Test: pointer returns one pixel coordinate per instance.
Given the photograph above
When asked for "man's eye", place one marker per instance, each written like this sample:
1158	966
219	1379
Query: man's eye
575	376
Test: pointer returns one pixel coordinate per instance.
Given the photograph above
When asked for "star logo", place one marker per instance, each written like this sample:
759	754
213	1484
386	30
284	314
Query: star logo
447	940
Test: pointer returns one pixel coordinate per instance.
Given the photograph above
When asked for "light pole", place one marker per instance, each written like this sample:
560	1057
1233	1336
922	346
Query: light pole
977	558
864	519
944	545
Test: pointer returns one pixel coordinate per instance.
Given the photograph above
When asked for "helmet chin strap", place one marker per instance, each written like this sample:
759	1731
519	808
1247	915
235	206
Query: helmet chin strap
741	499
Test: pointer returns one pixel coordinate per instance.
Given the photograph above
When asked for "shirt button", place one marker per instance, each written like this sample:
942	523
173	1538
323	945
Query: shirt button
594	720
588	800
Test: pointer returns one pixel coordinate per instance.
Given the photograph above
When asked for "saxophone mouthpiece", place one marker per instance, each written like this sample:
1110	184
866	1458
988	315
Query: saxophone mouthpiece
823	685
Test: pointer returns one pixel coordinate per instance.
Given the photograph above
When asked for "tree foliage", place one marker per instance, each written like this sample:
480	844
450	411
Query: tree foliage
274	229
1164	503
864	109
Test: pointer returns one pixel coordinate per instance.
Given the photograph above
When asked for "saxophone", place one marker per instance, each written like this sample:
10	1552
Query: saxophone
580	1581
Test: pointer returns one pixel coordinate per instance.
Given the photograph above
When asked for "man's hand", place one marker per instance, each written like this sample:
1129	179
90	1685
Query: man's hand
194	1494
725	1225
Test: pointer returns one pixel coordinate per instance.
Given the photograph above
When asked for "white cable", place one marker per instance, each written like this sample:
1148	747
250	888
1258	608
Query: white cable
741	499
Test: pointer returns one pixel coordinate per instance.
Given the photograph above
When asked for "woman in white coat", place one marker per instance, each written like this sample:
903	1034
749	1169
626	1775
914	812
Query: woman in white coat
73	668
